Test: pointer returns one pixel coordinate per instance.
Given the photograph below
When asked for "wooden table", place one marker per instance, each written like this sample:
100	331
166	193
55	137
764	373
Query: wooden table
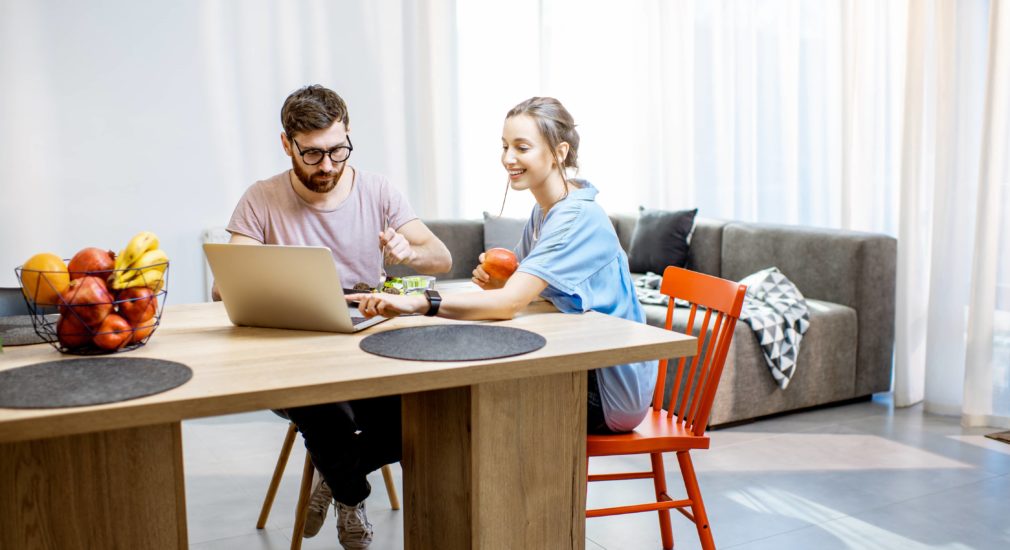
493	450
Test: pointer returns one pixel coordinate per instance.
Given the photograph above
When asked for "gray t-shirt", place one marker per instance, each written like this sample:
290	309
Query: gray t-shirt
272	213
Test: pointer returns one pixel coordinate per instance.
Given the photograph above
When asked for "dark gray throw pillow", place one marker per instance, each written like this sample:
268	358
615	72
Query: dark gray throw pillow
661	239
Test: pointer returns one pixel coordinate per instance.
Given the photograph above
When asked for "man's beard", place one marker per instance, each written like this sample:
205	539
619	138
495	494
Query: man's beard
320	182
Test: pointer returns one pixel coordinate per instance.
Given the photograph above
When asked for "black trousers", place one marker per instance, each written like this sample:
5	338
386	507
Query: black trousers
596	423
349	440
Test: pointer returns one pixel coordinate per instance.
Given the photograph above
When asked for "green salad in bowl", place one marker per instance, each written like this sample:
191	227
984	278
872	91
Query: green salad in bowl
414	284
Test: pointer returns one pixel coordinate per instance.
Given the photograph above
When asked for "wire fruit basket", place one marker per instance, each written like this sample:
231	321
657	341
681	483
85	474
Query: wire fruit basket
89	317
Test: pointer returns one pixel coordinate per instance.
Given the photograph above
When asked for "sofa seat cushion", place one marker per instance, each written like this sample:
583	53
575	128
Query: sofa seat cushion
826	367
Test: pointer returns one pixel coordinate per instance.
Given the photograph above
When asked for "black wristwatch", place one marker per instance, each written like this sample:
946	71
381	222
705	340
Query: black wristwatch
434	300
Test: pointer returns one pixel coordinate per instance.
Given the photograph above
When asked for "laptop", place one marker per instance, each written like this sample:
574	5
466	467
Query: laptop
293	287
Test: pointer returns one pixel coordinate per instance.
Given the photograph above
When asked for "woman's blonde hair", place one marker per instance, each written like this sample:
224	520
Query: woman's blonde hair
557	126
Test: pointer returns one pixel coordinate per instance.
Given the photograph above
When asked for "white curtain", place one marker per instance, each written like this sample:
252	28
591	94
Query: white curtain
952	336
772	110
121	116
987	360
857	114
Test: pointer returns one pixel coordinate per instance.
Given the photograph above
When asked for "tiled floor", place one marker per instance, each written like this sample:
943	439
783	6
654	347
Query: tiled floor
862	476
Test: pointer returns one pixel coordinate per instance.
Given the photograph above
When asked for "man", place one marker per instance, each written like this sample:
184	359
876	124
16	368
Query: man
366	223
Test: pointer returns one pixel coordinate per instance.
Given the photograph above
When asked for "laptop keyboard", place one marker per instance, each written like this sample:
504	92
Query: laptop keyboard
355	320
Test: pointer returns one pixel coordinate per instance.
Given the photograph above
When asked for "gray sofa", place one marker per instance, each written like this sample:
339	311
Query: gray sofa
847	277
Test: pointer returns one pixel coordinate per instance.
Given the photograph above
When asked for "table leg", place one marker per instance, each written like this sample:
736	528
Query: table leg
114	489
496	465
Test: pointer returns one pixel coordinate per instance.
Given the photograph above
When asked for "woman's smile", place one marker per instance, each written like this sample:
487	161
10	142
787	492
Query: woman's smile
516	173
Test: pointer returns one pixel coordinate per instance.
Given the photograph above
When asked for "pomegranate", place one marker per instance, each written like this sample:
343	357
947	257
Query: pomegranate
114	332
137	304
92	261
72	333
87	299
499	264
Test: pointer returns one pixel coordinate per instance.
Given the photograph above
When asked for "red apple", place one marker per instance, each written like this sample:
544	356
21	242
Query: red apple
88	299
499	264
137	304
72	333
143	330
92	261
114	332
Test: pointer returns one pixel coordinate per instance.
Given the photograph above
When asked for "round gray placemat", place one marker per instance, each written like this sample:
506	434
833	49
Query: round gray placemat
90	381
452	342
17	330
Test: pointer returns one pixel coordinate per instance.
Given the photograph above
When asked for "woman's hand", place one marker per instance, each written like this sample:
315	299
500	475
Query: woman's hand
388	305
481	278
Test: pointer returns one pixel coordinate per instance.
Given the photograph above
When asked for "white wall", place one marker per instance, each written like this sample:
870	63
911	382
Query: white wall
120	116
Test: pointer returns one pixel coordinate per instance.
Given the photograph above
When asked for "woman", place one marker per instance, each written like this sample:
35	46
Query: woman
569	255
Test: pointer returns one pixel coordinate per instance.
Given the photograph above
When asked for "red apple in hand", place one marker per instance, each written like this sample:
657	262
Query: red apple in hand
88	299
91	261
137	304
499	264
114	332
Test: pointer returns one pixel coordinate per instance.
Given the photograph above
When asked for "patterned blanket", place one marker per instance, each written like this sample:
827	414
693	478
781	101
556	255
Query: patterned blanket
774	308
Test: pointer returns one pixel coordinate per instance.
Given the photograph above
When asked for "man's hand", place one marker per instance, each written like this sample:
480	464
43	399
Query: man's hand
395	248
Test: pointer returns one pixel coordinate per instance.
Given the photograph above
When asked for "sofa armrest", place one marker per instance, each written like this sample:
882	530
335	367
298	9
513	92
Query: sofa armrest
850	268
465	241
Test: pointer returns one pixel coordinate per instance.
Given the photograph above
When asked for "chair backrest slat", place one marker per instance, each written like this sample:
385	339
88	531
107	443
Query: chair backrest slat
709	397
703	377
693	391
659	394
676	386
690	390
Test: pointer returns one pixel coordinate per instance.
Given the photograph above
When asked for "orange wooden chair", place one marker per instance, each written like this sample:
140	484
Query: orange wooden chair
305	492
682	428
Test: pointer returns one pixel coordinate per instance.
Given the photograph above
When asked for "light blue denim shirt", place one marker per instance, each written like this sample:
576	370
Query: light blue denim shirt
576	251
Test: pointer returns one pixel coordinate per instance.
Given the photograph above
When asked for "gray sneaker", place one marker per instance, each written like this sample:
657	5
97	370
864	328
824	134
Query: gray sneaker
319	505
353	529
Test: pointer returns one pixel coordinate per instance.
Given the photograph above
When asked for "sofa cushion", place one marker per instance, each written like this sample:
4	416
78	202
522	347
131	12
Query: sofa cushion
624	224
812	257
661	239
850	268
502	232
705	254
825	369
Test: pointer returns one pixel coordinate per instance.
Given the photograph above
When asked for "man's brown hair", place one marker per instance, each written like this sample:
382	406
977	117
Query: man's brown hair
312	108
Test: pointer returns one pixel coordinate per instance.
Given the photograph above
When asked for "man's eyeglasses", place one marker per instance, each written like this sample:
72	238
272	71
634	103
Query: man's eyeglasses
312	157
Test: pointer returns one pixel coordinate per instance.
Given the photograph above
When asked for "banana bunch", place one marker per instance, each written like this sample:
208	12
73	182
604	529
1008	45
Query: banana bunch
141	263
